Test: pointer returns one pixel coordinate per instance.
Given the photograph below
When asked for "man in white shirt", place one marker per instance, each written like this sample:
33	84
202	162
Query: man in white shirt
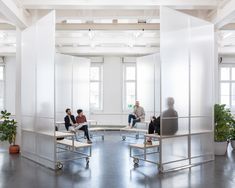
138	115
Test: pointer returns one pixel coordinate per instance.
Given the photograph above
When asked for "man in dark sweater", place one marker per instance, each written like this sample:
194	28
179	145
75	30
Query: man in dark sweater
71	125
169	121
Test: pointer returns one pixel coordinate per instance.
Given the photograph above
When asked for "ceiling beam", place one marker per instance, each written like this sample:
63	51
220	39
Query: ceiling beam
107	50
13	13
119	4
107	26
227	50
230	26
224	15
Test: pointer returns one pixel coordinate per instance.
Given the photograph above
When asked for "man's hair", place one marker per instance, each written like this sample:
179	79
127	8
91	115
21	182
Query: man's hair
67	110
79	111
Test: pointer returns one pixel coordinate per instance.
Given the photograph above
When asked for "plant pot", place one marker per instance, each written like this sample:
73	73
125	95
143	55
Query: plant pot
233	144
14	149
220	147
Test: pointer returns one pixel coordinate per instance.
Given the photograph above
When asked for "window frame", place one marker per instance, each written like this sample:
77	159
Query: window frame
230	82
100	81
4	85
125	81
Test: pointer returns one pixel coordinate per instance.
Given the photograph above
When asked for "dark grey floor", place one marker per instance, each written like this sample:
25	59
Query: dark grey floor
111	167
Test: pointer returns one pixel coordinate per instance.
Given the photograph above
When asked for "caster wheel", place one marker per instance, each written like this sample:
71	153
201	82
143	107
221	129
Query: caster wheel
59	165
136	160
136	165
137	136
123	138
160	169
102	137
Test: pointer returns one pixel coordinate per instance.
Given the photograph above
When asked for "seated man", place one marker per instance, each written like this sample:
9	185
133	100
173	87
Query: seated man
138	115
82	123
169	121
71	125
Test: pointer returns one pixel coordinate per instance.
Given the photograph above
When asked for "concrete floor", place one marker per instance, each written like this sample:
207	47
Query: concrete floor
111	167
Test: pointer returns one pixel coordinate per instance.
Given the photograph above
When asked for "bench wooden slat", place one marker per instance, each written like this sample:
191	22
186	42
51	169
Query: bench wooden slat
76	143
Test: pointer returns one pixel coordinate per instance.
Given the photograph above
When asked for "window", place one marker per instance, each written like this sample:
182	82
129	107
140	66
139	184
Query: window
2	81
129	92
227	86
96	87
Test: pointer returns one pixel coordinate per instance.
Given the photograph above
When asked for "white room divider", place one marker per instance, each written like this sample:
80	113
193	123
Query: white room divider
72	83
37	86
187	58
148	83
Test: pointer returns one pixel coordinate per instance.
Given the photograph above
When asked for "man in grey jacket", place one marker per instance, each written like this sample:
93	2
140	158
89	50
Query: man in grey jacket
138	115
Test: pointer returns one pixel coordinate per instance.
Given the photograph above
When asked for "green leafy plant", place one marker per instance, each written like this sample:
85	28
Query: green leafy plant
223	120
7	128
232	133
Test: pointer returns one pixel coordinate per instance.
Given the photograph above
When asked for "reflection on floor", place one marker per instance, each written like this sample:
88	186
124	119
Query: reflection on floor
111	167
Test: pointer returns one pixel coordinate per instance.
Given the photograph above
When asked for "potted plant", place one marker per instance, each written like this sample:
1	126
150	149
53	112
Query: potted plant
232	136
223	120
8	130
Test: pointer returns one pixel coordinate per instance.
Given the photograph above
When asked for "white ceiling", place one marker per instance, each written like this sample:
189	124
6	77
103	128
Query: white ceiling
116	26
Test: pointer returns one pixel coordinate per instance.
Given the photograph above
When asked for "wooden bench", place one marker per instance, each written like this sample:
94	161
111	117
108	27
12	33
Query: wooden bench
140	128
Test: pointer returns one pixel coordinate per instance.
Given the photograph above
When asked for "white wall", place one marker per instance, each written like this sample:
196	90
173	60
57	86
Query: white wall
10	84
112	113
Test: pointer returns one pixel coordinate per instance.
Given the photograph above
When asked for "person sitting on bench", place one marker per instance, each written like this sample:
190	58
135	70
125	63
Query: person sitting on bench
71	125
169	121
138	115
82	122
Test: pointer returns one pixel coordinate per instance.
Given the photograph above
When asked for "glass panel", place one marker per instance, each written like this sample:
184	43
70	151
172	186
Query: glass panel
1	95
175	60
202	61
224	89
225	100
130	73
233	95
95	95
130	94
174	149
38	102
81	84
95	73
233	73
63	87
145	82
202	145
1	73
224	73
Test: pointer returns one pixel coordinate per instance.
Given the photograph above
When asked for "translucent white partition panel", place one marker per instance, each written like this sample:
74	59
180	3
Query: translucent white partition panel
72	85
38	51
175	63
28	93
187	57
146	82
201	61
81	84
63	84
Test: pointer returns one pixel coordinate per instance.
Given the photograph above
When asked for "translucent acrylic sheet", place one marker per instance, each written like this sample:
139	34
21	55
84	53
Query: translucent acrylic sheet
202	145
45	67
81	84
145	82
28	72
28	142
63	84
201	124
38	89
174	149
174	60
202	60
